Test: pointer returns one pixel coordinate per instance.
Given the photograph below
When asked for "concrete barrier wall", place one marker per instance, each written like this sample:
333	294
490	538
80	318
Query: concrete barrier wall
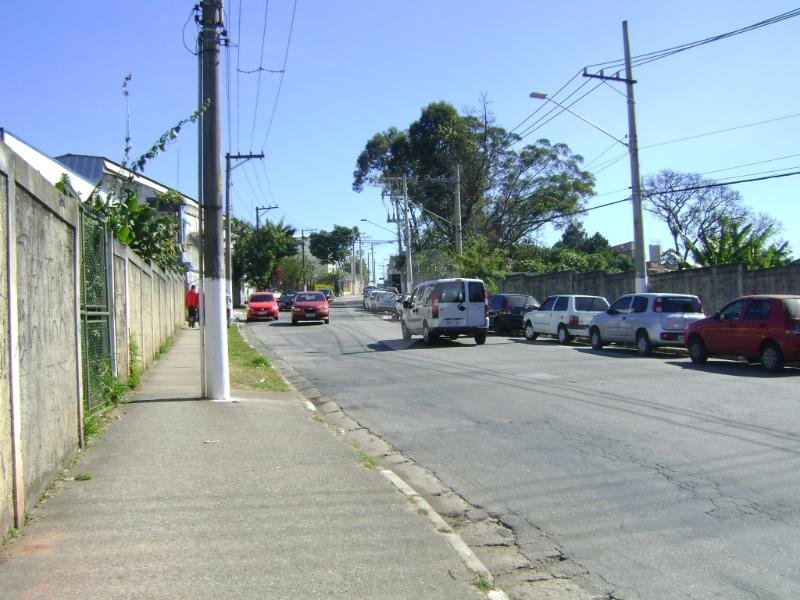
715	286
40	358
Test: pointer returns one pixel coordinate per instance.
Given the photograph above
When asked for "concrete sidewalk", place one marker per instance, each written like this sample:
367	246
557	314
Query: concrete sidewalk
252	499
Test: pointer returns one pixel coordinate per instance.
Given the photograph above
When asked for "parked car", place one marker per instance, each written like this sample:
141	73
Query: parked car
646	320
448	308
286	299
398	306
371	299
565	317
384	302
506	311
262	305
310	306
367	290
763	328
328	295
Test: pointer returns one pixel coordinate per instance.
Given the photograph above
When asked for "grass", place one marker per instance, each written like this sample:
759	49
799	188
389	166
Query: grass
82	477
11	533
366	460
482	584
248	369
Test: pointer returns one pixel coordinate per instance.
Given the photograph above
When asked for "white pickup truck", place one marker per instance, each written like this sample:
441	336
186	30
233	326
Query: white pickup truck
563	316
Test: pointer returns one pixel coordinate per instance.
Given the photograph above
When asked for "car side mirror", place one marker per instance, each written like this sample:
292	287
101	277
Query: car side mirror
408	304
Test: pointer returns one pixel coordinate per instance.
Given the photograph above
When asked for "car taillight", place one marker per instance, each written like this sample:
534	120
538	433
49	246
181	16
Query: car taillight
435	307
506	309
658	305
574	321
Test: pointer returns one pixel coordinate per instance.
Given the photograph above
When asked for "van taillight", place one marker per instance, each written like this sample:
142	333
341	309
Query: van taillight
658	305
574	321
435	306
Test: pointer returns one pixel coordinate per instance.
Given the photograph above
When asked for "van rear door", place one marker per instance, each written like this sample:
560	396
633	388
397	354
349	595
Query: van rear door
476	304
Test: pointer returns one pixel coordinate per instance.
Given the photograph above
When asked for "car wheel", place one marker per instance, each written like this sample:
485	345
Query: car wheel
404	329
772	357
697	350
427	336
294	322
563	335
595	339
480	338
327	321
530	334
643	344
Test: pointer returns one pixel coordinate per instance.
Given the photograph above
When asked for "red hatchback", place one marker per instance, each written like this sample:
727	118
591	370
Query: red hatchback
763	328
310	306
262	305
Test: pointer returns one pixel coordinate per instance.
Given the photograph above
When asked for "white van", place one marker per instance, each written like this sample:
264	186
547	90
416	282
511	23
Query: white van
446	308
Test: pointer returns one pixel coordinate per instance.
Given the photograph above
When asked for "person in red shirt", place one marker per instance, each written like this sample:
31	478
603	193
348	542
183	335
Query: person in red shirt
192	300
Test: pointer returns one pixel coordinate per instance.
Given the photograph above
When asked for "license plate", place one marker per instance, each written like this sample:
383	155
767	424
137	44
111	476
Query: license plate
680	338
311	314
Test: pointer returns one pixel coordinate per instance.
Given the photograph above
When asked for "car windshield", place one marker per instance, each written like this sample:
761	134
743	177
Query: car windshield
678	304
262	298
310	297
792	307
591	304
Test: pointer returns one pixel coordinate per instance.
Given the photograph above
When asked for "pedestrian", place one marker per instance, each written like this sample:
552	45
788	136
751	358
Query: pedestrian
192	304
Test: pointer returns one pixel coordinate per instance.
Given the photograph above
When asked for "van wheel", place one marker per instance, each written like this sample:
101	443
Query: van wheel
563	335
406	332
697	350
480	337
530	334
595	340
772	357
643	344
427	336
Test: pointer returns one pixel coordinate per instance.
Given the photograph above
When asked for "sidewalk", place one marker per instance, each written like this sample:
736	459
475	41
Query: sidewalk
249	499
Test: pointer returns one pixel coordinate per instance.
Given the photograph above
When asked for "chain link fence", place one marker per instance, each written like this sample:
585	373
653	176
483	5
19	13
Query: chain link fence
95	310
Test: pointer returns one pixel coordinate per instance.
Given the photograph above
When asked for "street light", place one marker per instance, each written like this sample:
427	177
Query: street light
639	260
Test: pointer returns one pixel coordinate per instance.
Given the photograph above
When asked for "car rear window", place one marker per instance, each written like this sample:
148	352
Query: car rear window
677	304
597	304
792	307
450	291
262	298
477	293
519	300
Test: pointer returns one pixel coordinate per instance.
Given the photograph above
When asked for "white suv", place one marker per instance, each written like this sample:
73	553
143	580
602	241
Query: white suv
447	308
565	317
647	320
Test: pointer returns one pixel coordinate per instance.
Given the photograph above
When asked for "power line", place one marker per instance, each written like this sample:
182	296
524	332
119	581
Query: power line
760	162
282	72
260	65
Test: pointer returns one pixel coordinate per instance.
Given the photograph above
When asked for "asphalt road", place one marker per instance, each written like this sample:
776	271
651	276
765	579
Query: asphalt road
663	479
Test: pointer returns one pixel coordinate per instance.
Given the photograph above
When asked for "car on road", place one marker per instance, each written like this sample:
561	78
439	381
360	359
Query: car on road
446	308
398	306
366	291
328	295
506	311
262	305
760	328
647	320
385	302
370	299
310	306
286	299
564	316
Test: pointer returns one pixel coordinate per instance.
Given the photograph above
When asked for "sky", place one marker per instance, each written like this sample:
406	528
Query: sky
335	73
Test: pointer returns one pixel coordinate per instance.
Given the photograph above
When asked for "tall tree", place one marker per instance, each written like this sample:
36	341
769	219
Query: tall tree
333	247
735	240
257	252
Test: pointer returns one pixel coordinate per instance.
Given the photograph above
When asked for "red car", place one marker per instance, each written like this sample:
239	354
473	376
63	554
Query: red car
761	328
262	305
310	306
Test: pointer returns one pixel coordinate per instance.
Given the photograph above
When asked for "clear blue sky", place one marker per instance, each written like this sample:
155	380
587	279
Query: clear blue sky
358	67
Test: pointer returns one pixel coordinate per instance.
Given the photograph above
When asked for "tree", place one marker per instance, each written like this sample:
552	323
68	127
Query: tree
739	241
256	252
506	195
482	261
333	247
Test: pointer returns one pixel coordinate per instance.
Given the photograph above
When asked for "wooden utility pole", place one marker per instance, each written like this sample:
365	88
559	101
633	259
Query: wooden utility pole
216	339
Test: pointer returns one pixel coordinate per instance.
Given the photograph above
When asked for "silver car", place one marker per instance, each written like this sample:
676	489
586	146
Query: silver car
646	320
565	317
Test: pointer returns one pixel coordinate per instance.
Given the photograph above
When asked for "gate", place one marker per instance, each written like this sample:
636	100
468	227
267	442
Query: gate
95	310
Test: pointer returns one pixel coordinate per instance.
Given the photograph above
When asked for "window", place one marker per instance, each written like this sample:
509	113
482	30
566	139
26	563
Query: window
548	304
678	304
451	291
561	303
623	305
792	306
732	310
476	291
496	301
590	303
640	304
262	298
758	310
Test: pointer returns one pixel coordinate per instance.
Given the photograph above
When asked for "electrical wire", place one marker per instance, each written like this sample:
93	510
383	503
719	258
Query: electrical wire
283	73
192	13
259	71
760	162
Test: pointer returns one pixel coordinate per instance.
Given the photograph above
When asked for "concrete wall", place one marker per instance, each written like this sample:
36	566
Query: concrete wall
40	362
715	286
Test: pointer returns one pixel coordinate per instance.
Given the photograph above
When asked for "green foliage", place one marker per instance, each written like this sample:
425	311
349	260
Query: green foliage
135	369
506	195
739	241
480	260
333	247
258	252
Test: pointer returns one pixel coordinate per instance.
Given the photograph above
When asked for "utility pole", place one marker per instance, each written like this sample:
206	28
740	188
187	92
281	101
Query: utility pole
457	213
260	209
639	257
216	343
228	240
409	270
303	250
353	268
